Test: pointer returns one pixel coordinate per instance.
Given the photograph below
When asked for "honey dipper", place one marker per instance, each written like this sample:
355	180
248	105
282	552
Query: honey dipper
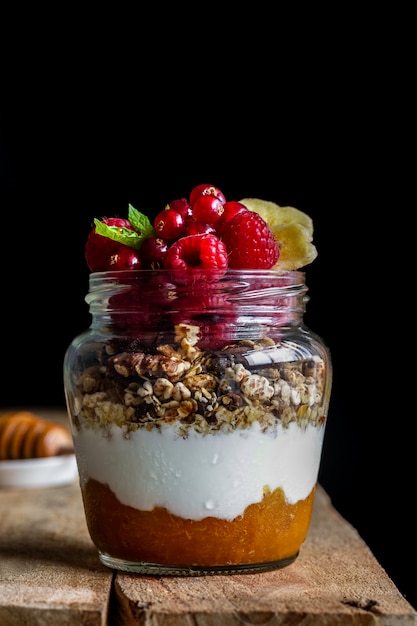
25	435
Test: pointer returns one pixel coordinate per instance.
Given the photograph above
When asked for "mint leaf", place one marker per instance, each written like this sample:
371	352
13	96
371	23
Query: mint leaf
126	236
120	234
140	222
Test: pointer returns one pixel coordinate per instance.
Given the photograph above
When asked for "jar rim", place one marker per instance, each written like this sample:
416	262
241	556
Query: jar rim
196	276
200	271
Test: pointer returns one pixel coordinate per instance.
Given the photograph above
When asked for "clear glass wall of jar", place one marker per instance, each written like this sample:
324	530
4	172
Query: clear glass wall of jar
198	405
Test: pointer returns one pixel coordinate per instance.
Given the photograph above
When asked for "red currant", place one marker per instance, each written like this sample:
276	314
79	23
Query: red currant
125	259
199	228
152	252
206	190
183	207
207	208
169	224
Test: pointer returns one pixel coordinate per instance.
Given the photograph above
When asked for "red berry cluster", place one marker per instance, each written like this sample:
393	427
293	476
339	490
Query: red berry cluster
203	231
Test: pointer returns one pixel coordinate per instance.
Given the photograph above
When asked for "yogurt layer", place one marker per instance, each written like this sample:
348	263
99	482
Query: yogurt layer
216	475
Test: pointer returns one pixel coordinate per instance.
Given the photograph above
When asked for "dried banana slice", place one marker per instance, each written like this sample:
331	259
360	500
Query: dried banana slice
296	248
274	214
292	229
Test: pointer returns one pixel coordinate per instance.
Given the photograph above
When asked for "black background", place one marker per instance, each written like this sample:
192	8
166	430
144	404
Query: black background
73	150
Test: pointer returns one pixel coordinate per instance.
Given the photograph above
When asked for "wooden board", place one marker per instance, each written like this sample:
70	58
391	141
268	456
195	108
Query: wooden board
49	571
50	574
335	581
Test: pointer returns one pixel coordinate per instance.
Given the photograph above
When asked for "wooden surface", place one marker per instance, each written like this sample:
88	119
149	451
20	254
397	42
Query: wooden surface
50	575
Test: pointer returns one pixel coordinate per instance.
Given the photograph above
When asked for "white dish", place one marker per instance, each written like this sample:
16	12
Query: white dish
43	472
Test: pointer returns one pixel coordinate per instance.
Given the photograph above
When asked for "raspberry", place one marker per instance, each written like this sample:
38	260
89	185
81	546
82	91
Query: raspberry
249	242
204	252
230	209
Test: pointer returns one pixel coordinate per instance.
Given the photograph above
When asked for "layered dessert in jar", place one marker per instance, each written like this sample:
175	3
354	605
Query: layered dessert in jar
198	399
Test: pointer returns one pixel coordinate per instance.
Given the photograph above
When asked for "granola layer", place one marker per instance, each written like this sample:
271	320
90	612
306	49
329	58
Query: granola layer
246	382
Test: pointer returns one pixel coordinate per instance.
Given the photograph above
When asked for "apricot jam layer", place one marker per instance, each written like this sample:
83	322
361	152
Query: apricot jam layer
270	530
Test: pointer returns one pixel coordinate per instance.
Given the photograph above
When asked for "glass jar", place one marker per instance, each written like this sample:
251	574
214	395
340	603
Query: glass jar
198	404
